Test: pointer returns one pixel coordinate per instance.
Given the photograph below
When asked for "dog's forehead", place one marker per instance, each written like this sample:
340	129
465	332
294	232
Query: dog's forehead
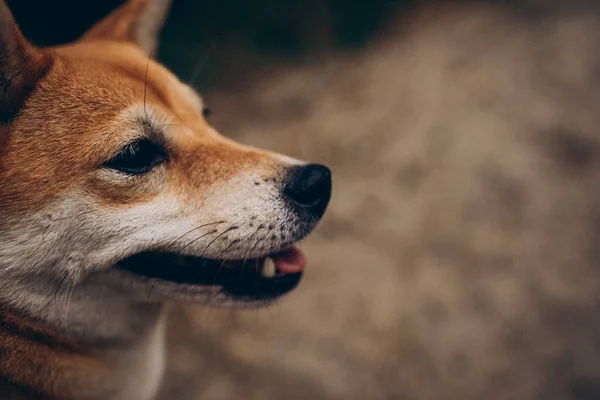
106	72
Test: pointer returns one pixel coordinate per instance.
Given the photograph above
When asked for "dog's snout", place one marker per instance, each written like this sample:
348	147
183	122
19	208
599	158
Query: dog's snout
309	187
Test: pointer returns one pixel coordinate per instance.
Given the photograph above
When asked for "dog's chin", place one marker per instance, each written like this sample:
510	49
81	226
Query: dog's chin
220	283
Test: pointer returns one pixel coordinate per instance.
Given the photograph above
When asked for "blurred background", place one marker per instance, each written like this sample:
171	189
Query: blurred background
460	257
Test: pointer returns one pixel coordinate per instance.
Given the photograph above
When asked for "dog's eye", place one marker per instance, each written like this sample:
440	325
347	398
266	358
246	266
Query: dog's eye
137	158
207	112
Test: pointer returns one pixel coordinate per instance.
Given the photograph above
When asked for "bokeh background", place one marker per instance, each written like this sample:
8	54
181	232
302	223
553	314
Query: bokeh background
460	257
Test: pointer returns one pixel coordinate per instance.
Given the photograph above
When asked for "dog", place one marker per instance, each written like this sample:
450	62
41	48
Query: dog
118	197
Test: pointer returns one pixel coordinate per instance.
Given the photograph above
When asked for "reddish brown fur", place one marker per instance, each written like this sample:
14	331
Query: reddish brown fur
136	21
26	351
89	85
66	127
120	25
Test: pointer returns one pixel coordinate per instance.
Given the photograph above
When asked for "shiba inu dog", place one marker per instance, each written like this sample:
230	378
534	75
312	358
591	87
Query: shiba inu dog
116	196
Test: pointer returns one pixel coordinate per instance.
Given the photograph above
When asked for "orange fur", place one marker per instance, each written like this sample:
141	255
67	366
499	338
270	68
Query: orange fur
89	84
61	120
26	351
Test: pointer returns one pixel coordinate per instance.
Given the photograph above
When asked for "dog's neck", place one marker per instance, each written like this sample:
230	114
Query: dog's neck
108	348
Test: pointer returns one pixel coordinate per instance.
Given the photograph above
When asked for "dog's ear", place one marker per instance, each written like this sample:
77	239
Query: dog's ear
136	21
21	65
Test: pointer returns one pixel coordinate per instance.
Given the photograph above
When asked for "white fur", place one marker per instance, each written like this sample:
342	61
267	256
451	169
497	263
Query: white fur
57	264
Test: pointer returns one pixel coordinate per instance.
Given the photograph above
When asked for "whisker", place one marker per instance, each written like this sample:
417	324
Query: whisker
223	263
59	285
192	230
227	248
195	240
249	247
146	85
152	288
254	248
218	236
221	266
202	63
68	304
256	244
248	252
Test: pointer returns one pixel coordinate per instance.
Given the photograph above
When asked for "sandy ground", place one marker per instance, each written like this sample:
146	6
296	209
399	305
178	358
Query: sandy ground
460	255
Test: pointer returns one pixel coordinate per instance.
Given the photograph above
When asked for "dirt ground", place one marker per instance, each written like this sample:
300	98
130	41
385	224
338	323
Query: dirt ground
460	255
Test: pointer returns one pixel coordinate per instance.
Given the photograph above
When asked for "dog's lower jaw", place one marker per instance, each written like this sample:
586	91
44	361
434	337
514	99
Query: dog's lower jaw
37	362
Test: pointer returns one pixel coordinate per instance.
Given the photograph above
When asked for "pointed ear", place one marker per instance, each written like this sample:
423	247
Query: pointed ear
136	21
21	66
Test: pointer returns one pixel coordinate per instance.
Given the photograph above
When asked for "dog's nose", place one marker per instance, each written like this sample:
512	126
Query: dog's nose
309	187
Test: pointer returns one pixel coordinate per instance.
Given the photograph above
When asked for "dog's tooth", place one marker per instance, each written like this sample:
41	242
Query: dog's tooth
268	269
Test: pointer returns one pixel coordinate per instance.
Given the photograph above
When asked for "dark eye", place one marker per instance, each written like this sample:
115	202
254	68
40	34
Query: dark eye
206	112
137	158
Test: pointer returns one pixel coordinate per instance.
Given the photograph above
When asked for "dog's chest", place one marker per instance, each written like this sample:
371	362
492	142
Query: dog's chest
139	370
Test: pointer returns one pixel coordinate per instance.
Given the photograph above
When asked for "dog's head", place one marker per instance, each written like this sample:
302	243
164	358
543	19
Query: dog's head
111	173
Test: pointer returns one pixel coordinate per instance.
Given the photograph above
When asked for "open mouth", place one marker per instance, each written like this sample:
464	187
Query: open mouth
255	279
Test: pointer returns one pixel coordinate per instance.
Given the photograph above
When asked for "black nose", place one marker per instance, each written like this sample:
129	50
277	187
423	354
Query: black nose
309	187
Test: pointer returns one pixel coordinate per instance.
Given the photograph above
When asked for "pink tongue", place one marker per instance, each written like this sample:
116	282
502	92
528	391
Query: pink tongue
290	261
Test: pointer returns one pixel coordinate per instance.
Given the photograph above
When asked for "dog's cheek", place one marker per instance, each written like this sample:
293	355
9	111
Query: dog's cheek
113	189
250	217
